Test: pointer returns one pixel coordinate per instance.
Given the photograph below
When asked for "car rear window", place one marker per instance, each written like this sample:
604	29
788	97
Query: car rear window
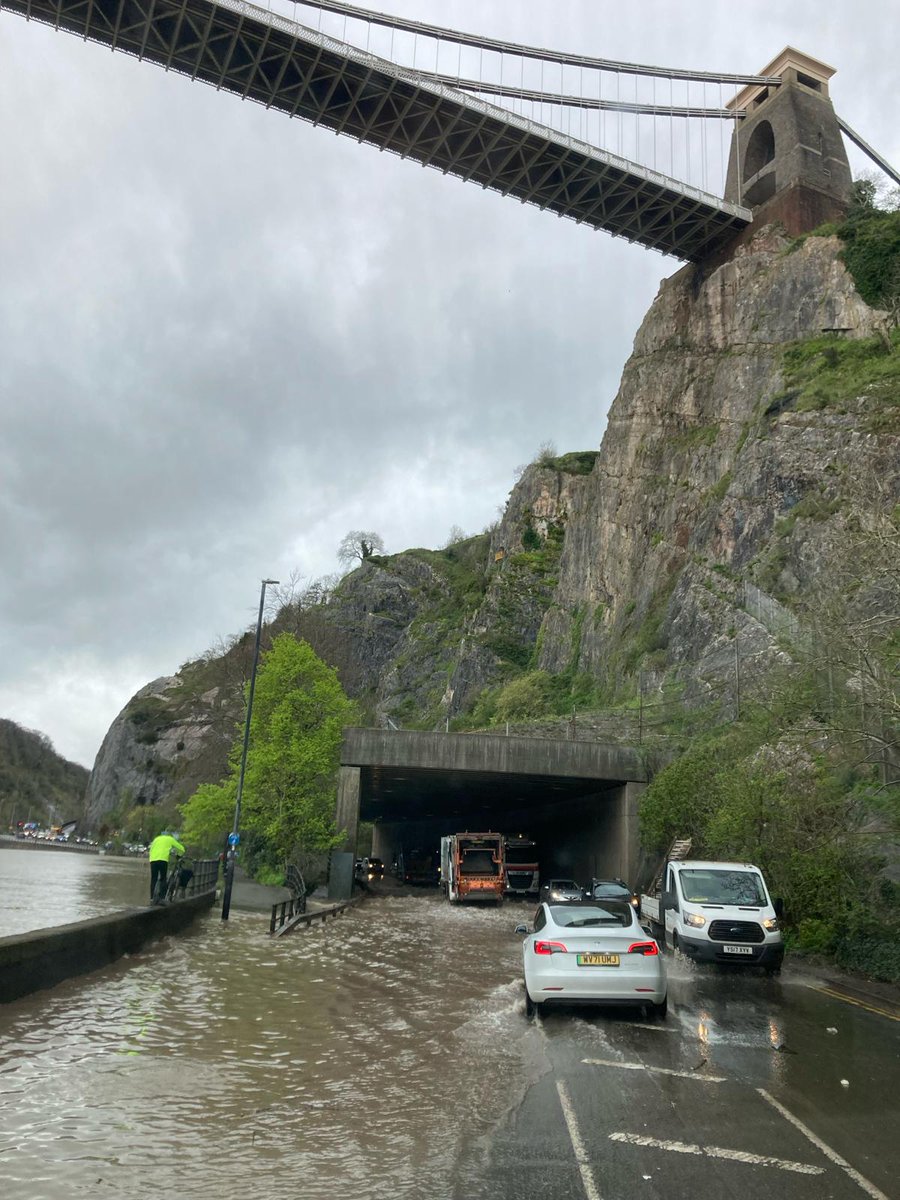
577	916
610	891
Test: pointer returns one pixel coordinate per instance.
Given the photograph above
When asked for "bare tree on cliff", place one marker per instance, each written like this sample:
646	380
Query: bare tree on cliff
360	544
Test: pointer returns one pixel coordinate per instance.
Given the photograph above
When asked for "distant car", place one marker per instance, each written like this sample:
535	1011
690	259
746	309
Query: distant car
612	889
594	952
372	867
561	889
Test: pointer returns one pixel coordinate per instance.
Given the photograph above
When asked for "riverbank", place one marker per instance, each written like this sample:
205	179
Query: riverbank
35	961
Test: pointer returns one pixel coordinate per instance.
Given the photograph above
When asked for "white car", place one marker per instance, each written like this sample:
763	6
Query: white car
592	952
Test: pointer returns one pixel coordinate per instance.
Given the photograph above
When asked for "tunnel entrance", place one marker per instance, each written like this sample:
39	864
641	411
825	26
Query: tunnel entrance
576	800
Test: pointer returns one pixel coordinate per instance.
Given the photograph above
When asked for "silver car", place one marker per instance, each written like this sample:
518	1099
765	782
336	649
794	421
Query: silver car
561	889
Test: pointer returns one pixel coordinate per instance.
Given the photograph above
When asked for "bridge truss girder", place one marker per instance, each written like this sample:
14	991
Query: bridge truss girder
280	64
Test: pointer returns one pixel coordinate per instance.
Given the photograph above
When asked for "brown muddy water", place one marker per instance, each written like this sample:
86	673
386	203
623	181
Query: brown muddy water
371	1054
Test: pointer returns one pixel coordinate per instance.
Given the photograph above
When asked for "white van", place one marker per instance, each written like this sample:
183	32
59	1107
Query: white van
717	912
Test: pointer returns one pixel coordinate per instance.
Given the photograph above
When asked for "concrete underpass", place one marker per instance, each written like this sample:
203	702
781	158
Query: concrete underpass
578	800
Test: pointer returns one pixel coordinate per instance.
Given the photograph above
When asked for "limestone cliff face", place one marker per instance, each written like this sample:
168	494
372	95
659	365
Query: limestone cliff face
162	743
703	456
710	507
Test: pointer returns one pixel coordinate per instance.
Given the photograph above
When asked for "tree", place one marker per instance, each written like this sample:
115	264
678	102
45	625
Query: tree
299	710
360	544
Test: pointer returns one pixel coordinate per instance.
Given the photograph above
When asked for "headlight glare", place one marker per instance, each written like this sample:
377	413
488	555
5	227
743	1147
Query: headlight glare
694	919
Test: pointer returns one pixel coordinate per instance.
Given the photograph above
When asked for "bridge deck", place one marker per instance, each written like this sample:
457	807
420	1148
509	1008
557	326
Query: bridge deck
261	56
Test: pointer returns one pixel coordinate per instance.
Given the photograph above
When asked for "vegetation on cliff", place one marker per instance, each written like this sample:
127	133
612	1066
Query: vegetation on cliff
36	783
807	782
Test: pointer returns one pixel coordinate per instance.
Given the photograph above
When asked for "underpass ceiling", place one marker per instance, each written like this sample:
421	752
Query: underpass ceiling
402	793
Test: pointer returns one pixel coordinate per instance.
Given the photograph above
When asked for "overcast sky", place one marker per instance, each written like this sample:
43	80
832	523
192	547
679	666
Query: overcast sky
227	338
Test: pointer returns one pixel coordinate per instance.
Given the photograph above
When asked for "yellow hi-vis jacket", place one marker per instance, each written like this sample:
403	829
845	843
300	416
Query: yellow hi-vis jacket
161	847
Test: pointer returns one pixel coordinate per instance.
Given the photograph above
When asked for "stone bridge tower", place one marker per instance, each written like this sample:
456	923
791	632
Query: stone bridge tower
788	161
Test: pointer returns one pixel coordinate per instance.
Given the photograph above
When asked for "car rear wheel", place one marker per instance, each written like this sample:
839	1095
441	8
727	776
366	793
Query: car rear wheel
658	1011
532	1007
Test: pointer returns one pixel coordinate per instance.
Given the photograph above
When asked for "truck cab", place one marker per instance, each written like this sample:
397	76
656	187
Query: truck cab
718	912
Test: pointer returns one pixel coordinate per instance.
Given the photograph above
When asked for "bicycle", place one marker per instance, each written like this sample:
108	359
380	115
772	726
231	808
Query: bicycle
180	876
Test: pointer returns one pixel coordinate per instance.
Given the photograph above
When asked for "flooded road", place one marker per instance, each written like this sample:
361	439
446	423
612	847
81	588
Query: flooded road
360	1056
41	888
387	1052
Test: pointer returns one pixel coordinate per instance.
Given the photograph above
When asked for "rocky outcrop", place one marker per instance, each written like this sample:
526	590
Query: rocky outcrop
703	456
723	479
167	739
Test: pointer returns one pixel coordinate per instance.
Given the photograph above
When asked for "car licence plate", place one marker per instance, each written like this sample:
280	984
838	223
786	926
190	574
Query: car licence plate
738	949
597	960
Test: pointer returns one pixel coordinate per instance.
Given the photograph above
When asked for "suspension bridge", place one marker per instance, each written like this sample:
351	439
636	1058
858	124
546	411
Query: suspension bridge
513	136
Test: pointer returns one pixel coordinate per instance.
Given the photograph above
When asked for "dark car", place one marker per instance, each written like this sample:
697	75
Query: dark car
372	867
561	889
612	889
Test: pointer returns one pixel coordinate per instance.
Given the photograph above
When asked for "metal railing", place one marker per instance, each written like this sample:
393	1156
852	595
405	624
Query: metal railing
205	878
286	910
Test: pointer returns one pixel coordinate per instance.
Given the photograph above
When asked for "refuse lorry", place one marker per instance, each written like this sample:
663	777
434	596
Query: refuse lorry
472	867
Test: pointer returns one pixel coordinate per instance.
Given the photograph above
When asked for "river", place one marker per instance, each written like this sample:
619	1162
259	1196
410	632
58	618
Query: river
374	1053
40	888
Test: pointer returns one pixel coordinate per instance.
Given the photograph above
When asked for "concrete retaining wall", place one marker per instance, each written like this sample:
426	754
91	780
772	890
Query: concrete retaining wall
44	957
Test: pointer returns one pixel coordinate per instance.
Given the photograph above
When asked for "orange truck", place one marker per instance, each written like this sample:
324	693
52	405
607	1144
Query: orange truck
472	867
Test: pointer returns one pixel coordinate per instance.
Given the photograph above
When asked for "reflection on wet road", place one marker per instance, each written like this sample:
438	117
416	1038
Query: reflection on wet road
388	1052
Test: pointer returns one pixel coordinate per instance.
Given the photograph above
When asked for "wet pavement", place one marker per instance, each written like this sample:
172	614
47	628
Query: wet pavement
752	1087
388	1052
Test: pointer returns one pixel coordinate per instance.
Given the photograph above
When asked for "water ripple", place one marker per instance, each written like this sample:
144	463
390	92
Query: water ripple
363	1054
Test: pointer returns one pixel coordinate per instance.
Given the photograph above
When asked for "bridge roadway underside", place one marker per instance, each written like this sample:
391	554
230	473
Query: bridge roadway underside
578	800
261	56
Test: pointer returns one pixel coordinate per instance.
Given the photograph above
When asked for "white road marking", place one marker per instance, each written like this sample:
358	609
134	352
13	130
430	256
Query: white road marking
625	1066
869	1188
584	1165
760	1160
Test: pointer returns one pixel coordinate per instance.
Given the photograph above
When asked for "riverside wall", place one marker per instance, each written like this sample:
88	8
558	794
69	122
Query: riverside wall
30	962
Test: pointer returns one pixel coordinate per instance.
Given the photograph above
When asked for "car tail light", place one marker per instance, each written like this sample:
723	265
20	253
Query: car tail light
549	948
646	948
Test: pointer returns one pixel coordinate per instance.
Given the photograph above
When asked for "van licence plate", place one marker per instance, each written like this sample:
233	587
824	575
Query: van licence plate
597	960
738	949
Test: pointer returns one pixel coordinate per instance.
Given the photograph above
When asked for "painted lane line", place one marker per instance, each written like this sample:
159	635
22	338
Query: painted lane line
869	1188
872	1008
584	1165
744	1156
624	1066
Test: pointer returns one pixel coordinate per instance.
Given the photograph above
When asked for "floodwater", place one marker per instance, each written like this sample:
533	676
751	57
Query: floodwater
373	1053
41	888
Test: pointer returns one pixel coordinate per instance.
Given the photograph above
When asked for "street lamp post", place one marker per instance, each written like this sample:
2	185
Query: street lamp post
233	840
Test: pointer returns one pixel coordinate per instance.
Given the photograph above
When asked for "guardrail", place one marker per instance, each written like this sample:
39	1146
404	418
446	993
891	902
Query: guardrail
286	910
305	917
